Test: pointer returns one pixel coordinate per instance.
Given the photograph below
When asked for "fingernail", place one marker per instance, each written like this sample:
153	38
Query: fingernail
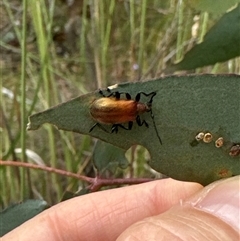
221	199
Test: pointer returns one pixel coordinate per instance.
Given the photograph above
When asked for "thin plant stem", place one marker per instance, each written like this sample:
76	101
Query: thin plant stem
180	30
204	26
132	41
141	40
23	96
8	10
106	39
83	33
96	182
97	42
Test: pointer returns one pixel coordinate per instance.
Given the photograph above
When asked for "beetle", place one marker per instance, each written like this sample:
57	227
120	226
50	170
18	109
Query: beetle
113	110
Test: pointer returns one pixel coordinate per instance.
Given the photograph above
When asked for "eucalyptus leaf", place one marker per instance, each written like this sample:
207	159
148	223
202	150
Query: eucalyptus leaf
183	107
220	44
68	195
16	214
107	158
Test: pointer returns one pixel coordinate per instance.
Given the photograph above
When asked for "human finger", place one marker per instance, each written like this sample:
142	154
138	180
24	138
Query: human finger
103	215
210	215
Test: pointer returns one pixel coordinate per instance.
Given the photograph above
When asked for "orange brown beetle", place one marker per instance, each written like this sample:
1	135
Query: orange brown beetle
112	110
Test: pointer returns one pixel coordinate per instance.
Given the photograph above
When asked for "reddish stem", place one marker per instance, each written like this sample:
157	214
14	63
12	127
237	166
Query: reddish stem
95	183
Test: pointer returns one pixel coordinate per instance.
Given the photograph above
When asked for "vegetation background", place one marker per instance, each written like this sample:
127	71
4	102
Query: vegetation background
52	51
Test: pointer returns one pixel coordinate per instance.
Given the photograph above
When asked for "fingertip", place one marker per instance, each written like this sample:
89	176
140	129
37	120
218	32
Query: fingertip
212	214
221	199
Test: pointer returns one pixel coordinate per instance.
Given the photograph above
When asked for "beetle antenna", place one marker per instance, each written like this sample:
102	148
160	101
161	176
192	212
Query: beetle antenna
154	123
155	127
153	94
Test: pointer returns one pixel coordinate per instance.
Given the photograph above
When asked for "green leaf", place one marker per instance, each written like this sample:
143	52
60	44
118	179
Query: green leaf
17	214
183	107
220	44
68	195
107	158
216	6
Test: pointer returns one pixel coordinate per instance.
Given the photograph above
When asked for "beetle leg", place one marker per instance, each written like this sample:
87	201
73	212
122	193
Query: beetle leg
101	93
138	96
128	96
152	94
93	127
109	91
140	123
100	126
130	124
115	127
116	94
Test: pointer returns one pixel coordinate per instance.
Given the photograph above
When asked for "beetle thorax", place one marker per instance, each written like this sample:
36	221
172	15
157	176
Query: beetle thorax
141	108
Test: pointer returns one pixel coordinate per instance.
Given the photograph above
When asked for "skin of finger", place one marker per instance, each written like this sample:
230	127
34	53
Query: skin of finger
103	215
180	224
222	199
208	215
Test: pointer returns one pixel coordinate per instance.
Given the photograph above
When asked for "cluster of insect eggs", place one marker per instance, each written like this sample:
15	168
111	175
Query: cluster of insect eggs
208	137
235	150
